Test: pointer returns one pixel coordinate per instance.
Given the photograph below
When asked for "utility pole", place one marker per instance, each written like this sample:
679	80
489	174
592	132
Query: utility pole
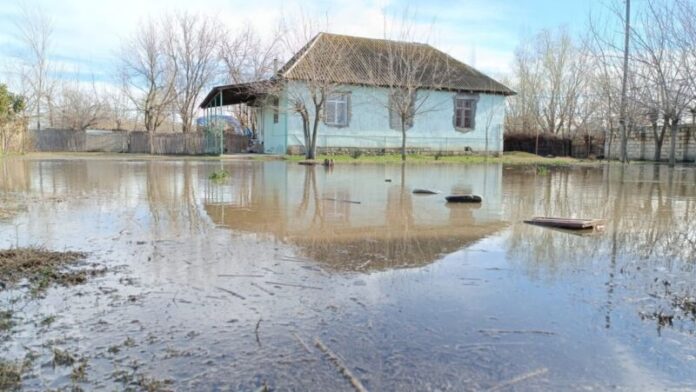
624	82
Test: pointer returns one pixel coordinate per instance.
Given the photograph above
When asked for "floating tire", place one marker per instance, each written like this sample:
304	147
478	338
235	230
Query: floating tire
463	199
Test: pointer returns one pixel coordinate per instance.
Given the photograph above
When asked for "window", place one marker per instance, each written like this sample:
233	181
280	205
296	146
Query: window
337	110
465	112
398	101
276	110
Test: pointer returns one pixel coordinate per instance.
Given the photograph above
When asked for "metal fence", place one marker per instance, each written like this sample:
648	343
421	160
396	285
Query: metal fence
342	143
195	143
579	147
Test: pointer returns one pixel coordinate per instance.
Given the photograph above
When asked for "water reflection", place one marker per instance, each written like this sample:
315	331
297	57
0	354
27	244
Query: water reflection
649	242
354	220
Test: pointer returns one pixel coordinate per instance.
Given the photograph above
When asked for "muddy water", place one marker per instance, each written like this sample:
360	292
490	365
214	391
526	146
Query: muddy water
229	285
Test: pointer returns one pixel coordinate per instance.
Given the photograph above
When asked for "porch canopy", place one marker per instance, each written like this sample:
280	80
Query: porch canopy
233	94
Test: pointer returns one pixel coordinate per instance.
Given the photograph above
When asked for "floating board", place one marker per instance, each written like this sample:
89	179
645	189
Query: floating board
419	191
567	223
463	199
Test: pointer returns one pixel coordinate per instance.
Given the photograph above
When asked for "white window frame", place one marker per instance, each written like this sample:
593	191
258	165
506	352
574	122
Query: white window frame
337	102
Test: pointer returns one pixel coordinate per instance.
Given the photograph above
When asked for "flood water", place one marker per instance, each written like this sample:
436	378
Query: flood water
229	285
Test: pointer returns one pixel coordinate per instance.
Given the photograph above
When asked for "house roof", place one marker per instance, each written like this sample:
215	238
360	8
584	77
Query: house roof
354	60
343	59
233	93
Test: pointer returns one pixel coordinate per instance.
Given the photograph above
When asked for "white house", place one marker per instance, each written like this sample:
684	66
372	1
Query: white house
456	109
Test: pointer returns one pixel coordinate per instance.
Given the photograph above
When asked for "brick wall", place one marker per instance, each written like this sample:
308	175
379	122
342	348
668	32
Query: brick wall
641	145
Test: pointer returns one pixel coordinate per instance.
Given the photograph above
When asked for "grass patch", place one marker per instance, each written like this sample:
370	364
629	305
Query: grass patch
48	320
6	322
114	350
153	385
79	372
42	268
509	158
10	376
542	170
62	358
141	382
219	175
129	342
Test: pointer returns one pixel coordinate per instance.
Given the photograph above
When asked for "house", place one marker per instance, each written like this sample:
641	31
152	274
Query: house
451	107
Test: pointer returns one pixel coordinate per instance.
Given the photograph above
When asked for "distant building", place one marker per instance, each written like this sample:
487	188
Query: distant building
460	108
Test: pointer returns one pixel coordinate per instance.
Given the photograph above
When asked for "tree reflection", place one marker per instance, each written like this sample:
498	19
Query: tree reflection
348	228
648	237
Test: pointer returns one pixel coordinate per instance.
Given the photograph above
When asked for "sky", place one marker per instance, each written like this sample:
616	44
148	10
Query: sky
483	33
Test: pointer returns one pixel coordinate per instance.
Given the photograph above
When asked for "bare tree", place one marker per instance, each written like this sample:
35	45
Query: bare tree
35	29
523	110
606	46
318	74
247	58
666	62
118	111
552	81
192	44
80	106
148	74
408	71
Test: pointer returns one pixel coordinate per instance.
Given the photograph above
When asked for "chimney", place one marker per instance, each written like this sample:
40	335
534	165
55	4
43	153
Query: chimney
275	66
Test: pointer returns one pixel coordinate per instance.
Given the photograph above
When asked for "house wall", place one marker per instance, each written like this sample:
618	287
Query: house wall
274	134
433	128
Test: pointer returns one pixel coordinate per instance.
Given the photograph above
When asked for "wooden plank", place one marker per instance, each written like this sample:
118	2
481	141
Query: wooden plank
566	223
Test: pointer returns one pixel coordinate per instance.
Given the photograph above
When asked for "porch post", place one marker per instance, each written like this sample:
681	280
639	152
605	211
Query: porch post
222	131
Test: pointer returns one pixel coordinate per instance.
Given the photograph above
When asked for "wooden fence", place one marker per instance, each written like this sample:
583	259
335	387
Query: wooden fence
199	143
545	145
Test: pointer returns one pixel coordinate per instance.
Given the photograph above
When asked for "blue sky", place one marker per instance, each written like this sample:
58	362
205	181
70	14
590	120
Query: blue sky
483	33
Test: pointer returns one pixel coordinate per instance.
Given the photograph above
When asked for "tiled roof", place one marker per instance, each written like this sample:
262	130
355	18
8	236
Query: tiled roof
353	60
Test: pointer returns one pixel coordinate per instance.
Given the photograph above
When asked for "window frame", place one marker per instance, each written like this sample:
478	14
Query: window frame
473	100
345	102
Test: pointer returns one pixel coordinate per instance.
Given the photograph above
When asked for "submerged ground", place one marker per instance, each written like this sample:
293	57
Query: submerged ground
284	276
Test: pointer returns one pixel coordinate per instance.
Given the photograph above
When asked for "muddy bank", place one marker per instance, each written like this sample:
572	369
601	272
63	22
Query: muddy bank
41	267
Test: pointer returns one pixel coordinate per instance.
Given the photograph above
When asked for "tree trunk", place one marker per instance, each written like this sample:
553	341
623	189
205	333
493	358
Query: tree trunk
185	123
403	141
659	139
673	142
305	128
38	116
685	157
624	142
311	152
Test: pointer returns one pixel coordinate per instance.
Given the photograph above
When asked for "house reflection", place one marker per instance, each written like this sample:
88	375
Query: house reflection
353	220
